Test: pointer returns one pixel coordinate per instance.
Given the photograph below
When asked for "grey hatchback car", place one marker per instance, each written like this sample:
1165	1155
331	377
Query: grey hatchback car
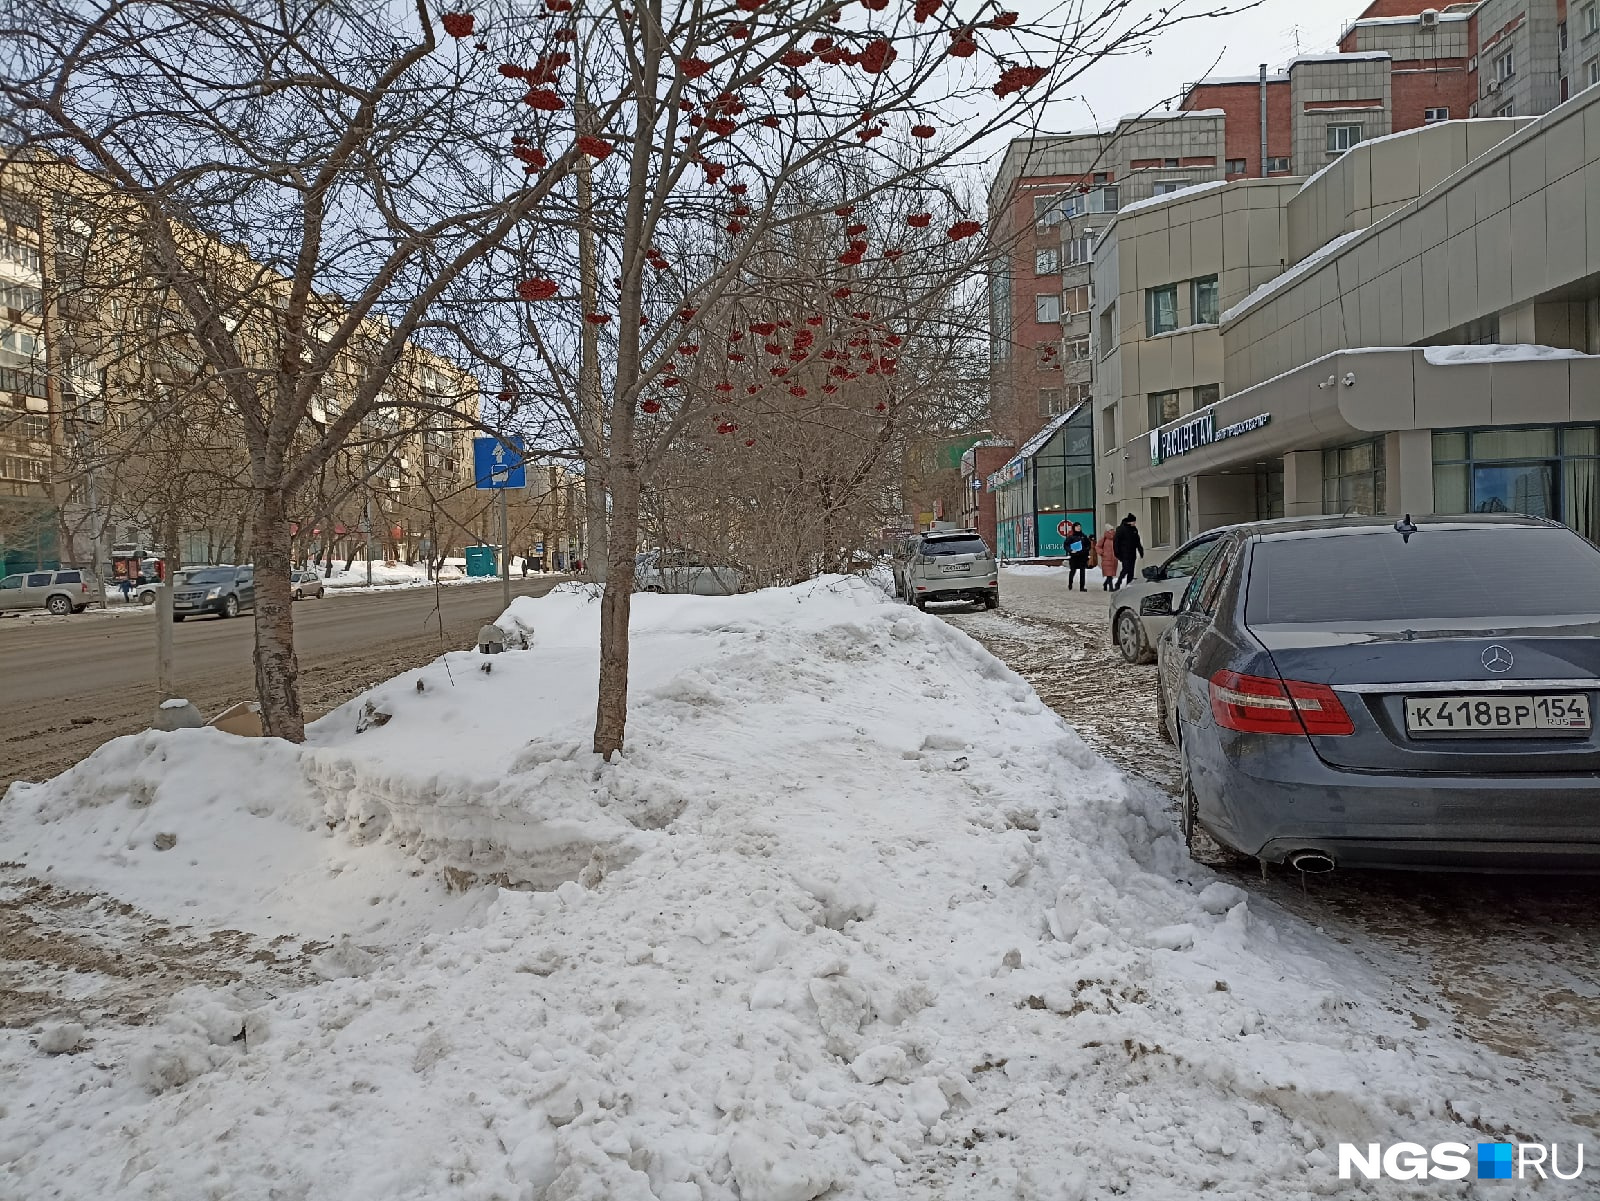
1390	694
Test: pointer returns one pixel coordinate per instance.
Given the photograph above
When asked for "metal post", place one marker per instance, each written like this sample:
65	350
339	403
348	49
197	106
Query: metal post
505	552
1263	120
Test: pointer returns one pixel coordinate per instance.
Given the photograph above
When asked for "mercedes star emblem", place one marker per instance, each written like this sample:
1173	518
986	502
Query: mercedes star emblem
1497	659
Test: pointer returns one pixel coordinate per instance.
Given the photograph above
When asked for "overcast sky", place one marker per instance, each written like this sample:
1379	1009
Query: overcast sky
1273	32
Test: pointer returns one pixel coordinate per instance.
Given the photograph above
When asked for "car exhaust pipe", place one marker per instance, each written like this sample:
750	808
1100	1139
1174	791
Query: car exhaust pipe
1311	862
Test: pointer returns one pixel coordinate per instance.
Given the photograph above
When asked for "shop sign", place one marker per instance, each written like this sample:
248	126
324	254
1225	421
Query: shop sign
1011	472
1198	431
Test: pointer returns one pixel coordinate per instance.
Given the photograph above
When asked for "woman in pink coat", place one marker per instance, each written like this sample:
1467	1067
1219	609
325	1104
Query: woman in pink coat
1108	559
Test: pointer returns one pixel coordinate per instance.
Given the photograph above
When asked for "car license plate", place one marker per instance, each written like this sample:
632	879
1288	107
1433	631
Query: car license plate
953	568
1492	714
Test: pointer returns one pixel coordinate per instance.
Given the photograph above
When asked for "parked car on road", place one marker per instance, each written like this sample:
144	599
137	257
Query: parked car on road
225	591
900	560
953	565
1135	634
303	584
1361	692
685	572
61	592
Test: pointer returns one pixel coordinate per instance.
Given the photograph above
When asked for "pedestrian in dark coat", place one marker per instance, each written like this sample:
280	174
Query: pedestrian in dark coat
1078	545
1129	548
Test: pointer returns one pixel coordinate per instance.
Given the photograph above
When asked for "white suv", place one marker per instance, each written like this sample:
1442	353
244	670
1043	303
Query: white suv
953	565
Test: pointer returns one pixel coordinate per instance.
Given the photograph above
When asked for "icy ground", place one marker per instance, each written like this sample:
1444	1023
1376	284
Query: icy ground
857	916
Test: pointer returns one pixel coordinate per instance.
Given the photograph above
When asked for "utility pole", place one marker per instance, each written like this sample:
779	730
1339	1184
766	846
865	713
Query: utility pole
589	400
366	513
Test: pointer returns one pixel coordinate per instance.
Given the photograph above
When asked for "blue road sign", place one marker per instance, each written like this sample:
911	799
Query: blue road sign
495	465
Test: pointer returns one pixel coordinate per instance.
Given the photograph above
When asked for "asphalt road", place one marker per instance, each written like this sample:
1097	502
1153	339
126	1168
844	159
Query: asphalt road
69	684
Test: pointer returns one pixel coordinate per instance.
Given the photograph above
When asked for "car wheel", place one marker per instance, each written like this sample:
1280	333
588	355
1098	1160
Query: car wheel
992	601
1161	712
59	605
230	607
1131	641
920	603
179	616
294	595
147	598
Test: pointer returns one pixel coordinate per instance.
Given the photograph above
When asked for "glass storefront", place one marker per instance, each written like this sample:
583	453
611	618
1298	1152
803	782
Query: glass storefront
1353	479
1546	471
1048	484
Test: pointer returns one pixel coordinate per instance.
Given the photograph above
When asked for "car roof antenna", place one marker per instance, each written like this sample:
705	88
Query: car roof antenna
1405	528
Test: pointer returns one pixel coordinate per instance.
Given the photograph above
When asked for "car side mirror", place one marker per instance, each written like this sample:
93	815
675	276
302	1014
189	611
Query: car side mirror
1155	573
1157	605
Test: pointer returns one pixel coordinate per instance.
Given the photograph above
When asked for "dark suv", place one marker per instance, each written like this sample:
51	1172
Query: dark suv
226	591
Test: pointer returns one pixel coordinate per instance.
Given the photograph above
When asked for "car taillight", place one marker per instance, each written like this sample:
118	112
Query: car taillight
1259	705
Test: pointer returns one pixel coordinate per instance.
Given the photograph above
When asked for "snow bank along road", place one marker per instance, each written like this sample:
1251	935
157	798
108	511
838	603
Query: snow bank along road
856	916
68	684
1511	963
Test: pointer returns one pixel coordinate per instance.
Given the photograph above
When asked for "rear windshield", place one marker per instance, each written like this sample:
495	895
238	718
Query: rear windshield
1440	575
954	546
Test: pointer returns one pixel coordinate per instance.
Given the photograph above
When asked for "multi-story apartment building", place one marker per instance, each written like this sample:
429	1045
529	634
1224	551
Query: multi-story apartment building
110	431
1432	347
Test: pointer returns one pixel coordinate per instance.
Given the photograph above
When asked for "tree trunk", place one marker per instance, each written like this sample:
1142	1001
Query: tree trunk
616	607
277	669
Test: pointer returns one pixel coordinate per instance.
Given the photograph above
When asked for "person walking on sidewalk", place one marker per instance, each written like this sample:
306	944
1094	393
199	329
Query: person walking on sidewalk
1078	547
1106	550
1129	548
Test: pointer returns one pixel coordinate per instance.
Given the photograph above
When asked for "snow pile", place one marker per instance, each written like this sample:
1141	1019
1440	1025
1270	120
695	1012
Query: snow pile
1189	192
1278	282
855	916
1444	356
397	575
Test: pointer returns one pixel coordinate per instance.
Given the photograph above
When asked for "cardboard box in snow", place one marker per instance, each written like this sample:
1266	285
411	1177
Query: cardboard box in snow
243	719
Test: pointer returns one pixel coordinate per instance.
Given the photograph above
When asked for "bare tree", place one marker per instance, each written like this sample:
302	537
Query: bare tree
310	180
712	127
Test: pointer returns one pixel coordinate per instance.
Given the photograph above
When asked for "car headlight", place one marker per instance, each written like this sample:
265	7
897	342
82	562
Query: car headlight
214	593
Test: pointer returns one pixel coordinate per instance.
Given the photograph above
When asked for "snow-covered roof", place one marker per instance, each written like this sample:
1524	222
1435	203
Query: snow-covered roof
1276	77
1411	20
1443	356
1359	56
1188	193
1176	115
1277	282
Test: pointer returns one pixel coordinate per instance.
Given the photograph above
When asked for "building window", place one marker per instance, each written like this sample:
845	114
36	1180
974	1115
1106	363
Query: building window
1078	348
1047	308
23	254
1342	137
1108	430
1504	66
20	297
1506	110
1046	210
1542	472
1047	261
1108	329
1591	73
1047	356
1169	162
1278	165
1591	19
1160	521
1101	178
1080	250
1353	479
1075	301
1204	300
1050	402
36	427
1163	407
1206	394
1432	115
1561	32
1166	187
1160	310
1237	166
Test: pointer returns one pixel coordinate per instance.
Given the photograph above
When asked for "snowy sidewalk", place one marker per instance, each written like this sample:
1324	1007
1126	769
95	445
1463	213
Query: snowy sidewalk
855	916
